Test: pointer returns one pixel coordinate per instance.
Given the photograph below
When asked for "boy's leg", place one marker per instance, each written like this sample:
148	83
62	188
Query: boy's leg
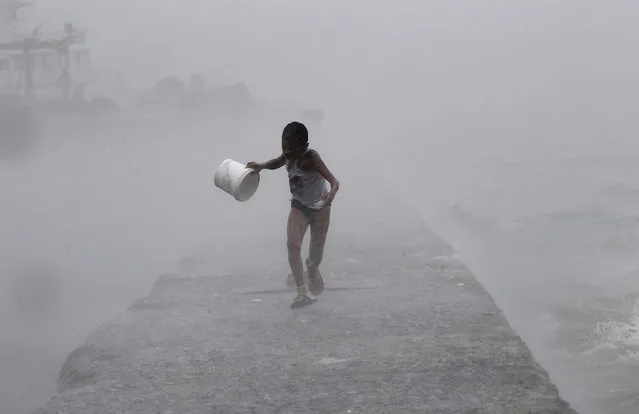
319	229
295	230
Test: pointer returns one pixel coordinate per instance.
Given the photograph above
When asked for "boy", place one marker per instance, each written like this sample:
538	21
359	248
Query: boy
311	201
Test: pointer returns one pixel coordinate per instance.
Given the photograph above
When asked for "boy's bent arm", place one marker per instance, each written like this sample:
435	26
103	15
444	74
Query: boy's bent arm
328	175
275	163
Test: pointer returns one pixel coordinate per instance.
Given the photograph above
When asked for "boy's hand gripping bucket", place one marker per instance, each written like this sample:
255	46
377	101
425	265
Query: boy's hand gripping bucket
237	180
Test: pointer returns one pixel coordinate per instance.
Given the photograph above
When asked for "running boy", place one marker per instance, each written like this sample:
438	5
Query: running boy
308	179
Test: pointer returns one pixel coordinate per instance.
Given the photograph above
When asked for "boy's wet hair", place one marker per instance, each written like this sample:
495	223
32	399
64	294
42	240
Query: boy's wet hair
295	132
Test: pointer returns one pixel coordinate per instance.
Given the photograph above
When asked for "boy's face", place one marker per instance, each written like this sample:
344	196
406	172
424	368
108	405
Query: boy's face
292	149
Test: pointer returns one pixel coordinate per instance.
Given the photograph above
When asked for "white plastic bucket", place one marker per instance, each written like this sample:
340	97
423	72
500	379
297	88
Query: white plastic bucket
234	178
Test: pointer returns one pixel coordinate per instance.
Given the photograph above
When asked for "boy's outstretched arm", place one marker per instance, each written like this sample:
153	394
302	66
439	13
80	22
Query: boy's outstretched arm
273	164
327	174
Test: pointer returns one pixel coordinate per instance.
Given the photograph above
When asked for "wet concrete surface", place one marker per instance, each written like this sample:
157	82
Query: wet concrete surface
402	327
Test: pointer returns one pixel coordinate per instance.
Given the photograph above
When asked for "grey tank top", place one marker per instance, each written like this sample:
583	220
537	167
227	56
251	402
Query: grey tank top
307	187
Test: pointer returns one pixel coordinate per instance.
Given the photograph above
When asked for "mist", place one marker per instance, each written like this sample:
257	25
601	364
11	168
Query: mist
501	123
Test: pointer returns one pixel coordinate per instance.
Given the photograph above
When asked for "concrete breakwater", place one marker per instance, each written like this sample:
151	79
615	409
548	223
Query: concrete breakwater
403	326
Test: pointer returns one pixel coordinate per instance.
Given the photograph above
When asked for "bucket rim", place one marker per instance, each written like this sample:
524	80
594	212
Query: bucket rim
236	187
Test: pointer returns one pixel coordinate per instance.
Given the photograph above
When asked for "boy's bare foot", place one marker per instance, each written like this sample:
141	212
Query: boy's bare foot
302	301
315	281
